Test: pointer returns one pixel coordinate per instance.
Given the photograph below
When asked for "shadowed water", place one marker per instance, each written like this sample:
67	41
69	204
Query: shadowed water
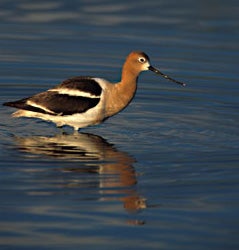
162	174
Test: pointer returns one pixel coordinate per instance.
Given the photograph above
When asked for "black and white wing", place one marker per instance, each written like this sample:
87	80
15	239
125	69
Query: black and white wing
74	95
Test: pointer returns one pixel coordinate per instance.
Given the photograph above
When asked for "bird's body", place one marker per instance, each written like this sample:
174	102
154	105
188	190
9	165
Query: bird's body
77	102
83	101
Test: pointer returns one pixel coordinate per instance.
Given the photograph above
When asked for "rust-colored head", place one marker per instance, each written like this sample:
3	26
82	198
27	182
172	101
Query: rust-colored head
138	61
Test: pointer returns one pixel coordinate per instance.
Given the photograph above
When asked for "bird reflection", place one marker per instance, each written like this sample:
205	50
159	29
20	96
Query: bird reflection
117	176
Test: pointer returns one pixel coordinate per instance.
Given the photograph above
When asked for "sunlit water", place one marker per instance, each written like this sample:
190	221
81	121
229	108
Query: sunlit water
162	174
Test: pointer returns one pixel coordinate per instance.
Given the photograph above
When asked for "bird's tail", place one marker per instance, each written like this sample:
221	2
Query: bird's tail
17	104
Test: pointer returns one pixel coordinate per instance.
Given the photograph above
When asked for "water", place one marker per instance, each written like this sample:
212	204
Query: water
162	174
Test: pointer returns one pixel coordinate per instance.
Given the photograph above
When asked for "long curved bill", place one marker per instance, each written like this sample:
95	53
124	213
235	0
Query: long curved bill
165	76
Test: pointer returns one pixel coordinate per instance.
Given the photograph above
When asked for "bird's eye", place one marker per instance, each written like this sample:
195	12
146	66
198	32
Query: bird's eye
141	59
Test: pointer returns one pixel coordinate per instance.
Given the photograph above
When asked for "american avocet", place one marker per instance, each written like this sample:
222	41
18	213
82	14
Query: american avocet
83	101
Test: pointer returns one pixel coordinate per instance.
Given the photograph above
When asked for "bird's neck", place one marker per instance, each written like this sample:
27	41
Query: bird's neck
122	92
128	84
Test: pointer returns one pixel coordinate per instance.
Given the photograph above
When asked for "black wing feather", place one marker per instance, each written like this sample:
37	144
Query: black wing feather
60	104
21	104
63	104
82	83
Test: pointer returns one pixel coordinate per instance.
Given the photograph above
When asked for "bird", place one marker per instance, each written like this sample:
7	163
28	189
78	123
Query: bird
82	101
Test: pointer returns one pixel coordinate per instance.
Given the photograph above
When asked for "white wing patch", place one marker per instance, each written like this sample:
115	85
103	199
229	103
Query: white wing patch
33	104
73	92
80	93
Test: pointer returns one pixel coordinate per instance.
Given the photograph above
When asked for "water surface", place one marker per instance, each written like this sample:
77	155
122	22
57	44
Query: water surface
162	174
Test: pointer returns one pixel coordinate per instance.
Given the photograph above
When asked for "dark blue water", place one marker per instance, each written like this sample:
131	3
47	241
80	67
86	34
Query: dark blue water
162	174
